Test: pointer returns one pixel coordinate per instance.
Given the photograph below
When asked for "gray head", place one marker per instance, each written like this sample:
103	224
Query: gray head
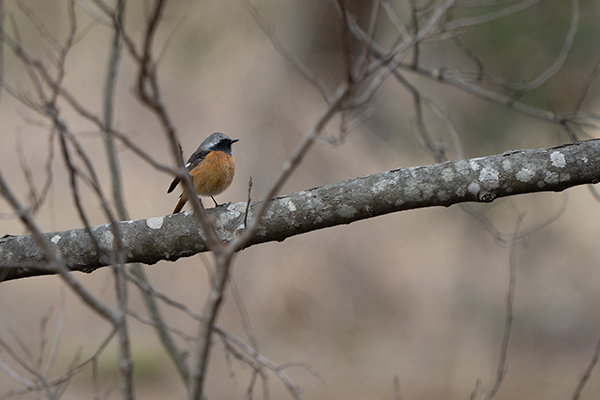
217	142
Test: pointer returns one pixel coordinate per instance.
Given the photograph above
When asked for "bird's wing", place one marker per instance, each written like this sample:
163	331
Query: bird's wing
193	162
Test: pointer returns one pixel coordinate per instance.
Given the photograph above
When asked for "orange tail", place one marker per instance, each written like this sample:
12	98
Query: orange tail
182	201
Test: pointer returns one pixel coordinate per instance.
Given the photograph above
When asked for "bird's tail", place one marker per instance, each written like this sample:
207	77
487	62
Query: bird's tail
180	204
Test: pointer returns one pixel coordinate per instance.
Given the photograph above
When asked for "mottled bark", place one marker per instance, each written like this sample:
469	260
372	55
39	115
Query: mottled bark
173	236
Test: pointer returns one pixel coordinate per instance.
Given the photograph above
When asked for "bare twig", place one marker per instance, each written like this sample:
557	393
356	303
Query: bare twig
111	80
37	72
505	238
480	74
587	373
346	45
230	339
438	151
125	358
44	385
562	56
482	19
210	313
243	314
290	165
296	63
415	26
53	258
586	87
448	77
75	368
176	355
15	376
512	281
151	322
382	68
395	20
248	202
397	394
476	393
58	334
451	77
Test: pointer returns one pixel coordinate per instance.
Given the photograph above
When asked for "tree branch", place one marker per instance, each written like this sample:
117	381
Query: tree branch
174	236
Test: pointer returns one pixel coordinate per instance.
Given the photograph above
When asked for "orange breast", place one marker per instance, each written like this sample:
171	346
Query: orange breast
214	174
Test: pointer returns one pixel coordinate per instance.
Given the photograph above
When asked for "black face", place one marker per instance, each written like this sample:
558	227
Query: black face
224	145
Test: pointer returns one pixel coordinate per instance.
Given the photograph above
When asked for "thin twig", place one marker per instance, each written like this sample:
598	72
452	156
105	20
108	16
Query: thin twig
239	303
44	385
109	89
395	20
75	368
586	87
176	355
512	281
53	258
290	166
587	373
295	61
210	313
562	56
60	326
397	394
248	202
481	19
415	26
382	68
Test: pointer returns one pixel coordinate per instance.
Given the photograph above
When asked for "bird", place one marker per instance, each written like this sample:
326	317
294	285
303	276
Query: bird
212	168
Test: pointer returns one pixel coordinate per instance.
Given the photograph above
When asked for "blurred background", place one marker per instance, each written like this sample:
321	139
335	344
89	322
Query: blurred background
417	295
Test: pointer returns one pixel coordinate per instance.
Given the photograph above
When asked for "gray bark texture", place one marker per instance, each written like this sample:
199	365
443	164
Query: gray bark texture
170	237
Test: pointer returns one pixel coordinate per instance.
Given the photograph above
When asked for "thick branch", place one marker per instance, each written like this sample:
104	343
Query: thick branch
171	237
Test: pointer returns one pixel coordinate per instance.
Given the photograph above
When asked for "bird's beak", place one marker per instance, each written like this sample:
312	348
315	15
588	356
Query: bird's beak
234	140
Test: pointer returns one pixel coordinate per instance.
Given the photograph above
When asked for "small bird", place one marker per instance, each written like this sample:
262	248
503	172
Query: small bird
212	168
